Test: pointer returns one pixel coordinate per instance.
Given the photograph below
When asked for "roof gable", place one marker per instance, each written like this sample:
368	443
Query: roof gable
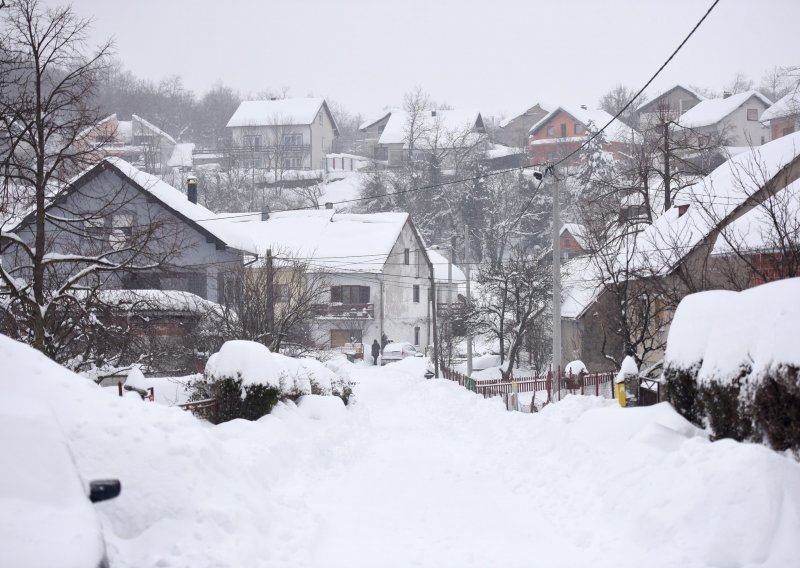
617	131
712	111
788	105
645	107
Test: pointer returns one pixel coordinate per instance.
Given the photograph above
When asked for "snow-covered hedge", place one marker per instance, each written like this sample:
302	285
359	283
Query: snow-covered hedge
248	380
732	361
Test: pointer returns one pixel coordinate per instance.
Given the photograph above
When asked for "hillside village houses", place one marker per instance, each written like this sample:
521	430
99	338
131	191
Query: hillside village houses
288	134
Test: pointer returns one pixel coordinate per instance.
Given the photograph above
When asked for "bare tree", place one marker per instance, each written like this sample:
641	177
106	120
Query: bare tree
615	100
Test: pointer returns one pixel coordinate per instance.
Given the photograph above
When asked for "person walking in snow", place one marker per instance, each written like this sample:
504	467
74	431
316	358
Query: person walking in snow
376	350
384	342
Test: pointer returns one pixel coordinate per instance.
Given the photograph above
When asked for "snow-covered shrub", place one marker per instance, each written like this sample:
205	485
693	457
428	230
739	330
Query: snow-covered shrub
776	408
691	327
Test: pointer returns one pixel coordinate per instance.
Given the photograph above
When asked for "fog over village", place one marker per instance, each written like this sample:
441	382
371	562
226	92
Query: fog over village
315	284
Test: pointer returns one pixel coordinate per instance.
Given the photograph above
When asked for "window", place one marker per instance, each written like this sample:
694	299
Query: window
579	129
406	256
252	141
121	230
282	293
253	163
416	293
292	140
94	228
320	118
341	336
551	130
752	114
292	163
762	140
416	336
350	294
563	131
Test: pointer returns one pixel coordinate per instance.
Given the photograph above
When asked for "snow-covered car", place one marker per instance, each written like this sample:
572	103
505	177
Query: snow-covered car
399	350
47	518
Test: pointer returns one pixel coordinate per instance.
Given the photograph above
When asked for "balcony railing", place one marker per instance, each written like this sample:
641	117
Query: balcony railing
344	311
280	148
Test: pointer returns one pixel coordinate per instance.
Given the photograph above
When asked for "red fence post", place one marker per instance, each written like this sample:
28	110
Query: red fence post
119	387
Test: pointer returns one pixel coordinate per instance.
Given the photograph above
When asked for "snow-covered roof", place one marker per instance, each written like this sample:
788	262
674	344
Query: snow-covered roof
345	189
500	151
158	300
506	121
711	201
617	131
152	127
376	118
578	232
279	112
667	92
580	284
762	228
453	122
440	263
711	111
221	228
181	156
330	241
787	105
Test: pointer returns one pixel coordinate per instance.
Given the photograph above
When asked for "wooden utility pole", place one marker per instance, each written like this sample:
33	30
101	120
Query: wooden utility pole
556	365
435	330
667	174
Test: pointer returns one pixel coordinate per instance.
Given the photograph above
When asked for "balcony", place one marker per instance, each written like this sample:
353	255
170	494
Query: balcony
343	311
281	149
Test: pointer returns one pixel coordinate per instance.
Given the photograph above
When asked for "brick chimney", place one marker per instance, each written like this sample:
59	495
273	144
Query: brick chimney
191	188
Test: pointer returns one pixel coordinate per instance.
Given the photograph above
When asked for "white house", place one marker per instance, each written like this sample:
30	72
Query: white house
737	117
289	134
375	265
390	136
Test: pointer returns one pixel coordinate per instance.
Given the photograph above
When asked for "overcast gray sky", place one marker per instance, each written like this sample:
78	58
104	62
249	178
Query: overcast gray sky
493	55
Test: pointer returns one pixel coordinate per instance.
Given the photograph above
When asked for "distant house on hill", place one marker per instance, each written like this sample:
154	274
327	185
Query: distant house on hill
137	141
377	272
667	106
735	117
513	131
283	134
564	129
783	117
573	241
395	137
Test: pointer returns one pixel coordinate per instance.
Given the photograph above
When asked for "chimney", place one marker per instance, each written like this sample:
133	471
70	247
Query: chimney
433	113
191	188
584	107
726	94
264	213
328	205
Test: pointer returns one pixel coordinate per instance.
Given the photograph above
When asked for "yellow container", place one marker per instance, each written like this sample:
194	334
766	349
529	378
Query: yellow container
620	388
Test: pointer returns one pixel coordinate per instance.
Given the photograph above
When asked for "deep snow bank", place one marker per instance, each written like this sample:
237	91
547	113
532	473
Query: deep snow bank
419	473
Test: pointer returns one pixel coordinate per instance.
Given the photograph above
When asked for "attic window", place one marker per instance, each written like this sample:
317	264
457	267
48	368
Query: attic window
752	114
406	256
551	130
579	129
682	209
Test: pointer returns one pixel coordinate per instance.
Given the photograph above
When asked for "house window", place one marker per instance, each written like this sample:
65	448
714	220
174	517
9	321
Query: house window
551	130
341	336
292	140
579	129
320	118
282	293
752	114
94	228
416	293
406	256
762	140
252	141
350	294
416	335
121	230
563	131
292	163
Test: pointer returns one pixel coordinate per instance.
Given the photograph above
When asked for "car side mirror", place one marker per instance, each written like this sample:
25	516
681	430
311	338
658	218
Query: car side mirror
104	489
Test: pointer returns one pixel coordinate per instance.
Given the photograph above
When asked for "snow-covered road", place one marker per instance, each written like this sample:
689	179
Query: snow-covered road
422	473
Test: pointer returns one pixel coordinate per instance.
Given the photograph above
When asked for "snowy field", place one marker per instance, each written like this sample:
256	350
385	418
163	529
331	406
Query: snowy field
418	473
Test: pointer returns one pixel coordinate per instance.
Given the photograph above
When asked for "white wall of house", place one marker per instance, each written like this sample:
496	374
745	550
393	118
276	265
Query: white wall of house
744	131
322	135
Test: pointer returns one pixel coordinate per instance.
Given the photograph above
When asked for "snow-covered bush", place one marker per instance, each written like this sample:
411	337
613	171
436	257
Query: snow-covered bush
734	359
248	380
691	326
